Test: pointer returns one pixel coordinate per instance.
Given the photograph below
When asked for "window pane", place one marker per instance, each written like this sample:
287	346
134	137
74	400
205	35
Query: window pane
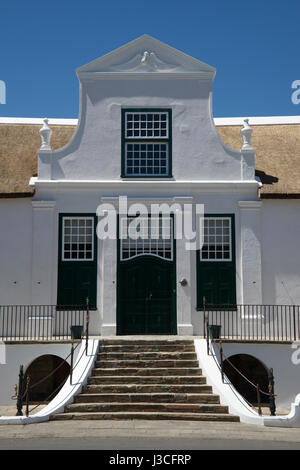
148	159
156	125
155	237
217	240
80	232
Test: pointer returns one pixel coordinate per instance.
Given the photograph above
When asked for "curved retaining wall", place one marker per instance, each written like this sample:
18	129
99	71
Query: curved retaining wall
82	369
230	397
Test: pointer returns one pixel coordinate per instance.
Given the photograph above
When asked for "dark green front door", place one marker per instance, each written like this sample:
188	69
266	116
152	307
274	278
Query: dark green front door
146	292
146	296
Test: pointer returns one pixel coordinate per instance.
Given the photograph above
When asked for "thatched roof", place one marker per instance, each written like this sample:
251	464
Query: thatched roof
277	159
18	155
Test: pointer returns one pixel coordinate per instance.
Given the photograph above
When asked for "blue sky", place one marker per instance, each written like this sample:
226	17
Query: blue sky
254	46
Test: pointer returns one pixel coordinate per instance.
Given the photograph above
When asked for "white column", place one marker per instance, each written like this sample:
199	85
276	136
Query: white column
251	277
183	278
43	257
108	291
184	289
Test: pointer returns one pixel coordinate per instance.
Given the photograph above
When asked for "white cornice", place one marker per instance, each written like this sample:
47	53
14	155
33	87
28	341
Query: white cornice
144	76
149	199
250	204
43	204
120	187
231	121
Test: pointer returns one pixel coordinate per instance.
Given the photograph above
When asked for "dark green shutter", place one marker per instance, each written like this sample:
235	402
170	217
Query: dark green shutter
216	281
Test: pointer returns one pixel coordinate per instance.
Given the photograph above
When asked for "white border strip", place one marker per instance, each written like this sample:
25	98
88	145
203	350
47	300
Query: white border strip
53	122
219	121
258	120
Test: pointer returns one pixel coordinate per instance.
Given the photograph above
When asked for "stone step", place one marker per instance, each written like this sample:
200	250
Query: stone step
144	380
147	342
147	398
219	417
145	406
161	371
145	364
146	348
152	388
138	378
148	355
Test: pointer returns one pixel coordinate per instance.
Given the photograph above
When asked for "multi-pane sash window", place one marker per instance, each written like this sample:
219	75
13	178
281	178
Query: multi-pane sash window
146	142
148	236
217	244
78	239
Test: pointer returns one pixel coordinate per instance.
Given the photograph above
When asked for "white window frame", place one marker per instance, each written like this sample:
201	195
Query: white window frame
217	260
63	238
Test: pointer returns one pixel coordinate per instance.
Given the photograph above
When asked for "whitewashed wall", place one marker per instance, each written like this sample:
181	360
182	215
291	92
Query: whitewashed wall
94	151
280	251
15	251
28	271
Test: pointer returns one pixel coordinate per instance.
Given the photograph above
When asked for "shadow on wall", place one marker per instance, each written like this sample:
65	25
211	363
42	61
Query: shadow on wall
254	370
49	372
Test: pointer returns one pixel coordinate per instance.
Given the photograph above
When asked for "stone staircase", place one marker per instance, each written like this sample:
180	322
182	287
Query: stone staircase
147	379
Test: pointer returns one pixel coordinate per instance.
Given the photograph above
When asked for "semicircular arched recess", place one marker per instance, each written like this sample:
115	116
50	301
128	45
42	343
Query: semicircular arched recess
254	370
51	366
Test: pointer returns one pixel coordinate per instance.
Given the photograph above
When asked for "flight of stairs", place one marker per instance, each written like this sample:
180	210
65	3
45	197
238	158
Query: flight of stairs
147	379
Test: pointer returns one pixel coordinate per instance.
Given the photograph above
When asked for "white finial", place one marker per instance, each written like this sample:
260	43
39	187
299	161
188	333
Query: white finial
45	133
246	133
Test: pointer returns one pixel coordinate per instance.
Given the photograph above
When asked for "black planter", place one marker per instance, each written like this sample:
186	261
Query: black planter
214	331
76	331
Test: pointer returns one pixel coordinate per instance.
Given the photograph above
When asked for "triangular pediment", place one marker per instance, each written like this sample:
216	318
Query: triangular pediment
146	55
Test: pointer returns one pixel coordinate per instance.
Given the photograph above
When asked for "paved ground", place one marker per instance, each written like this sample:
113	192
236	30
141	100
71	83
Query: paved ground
138	434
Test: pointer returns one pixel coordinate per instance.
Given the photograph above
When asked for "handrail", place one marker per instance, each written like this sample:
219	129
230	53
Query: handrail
20	397
271	395
219	367
60	385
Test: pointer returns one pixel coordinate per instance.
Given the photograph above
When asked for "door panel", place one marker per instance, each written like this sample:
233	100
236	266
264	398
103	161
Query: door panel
146	296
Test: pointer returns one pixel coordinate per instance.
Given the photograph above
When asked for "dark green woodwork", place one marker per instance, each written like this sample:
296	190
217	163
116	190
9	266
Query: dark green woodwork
146	295
77	280
216	281
146	140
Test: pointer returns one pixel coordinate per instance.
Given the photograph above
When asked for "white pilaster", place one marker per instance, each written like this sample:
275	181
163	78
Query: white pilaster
250	262
183	277
108	283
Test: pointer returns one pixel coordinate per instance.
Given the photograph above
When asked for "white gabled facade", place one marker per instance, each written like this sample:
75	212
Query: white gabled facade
52	256
146	74
91	170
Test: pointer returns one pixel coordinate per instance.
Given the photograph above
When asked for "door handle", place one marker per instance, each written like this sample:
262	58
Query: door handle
149	297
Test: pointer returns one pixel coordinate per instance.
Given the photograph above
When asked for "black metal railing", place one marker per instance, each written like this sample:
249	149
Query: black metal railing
253	322
260	394
23	390
40	322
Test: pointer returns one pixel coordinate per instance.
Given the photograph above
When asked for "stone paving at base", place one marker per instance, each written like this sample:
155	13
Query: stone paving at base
139	429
